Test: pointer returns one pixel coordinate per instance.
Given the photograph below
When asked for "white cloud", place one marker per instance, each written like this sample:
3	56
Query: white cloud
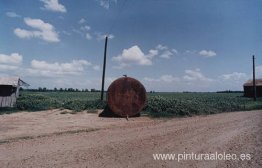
44	68
207	53
12	14
236	79
189	52
152	54
110	36
132	55
259	71
8	67
85	28
236	76
81	21
190	76
53	5
161	47
168	78
151	79
84	31
163	78
14	58
174	51
10	62
88	36
96	67
100	36
23	33
165	52
44	31
191	80
232	81
75	65
195	75
106	3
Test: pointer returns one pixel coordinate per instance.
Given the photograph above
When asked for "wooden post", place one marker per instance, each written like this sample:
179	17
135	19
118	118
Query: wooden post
104	70
254	80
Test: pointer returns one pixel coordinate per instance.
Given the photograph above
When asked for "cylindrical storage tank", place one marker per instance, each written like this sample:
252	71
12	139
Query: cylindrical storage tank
126	97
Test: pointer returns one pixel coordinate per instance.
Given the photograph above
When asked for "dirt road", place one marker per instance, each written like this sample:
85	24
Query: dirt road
51	139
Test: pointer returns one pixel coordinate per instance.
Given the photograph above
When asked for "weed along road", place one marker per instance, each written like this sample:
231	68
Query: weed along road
51	139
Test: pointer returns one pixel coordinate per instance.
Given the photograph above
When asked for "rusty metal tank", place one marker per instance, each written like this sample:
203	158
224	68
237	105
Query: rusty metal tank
126	97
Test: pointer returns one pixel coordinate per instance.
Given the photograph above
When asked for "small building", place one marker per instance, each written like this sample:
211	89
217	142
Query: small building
9	90
248	88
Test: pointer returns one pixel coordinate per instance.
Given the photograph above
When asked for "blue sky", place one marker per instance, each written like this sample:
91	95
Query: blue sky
169	45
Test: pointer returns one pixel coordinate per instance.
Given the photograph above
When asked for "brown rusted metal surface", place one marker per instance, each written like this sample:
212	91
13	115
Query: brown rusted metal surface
126	96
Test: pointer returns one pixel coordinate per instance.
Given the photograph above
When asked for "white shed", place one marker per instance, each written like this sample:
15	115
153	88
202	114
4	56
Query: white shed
9	90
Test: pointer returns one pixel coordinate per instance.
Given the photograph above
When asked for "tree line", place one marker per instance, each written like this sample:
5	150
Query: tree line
44	89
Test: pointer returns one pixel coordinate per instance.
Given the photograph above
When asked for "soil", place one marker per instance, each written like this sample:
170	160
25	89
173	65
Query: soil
51	139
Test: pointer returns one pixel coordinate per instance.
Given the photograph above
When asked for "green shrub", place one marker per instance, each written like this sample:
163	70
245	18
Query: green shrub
76	105
80	105
195	104
36	103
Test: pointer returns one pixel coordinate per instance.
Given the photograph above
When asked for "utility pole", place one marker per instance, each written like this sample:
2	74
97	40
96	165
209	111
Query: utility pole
254	80
104	70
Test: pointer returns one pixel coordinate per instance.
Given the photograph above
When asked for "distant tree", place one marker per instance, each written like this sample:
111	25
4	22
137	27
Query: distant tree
71	90
61	90
55	89
40	89
93	90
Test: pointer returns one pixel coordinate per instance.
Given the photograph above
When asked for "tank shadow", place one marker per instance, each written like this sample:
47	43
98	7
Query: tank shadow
108	113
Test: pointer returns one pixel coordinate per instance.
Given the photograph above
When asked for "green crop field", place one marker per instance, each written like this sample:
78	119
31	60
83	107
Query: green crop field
158	104
177	104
